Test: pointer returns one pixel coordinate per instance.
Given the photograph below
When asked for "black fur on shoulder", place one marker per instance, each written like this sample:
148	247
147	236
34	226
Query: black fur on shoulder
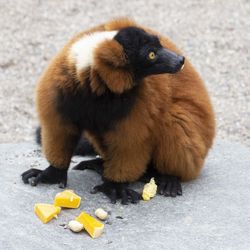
90	112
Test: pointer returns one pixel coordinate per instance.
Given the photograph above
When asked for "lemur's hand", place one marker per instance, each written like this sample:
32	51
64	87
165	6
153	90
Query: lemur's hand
115	190
93	164
50	175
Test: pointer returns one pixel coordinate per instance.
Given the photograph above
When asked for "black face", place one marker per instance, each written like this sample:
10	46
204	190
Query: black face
145	53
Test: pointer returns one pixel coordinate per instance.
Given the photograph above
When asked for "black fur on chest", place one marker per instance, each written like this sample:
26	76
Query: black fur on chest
93	113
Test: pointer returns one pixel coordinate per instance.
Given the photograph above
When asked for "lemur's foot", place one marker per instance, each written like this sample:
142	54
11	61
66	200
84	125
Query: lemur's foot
50	175
116	191
168	185
93	164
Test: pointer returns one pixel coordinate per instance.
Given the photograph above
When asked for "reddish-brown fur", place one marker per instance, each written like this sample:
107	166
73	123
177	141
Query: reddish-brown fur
172	122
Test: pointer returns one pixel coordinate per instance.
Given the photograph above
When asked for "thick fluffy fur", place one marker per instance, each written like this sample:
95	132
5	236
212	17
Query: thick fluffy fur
166	119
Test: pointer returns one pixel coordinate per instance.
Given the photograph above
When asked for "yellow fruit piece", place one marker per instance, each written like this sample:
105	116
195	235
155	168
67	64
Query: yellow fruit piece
149	190
67	199
46	212
91	225
145	196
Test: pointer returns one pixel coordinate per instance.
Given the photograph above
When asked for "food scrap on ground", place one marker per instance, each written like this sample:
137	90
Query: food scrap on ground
101	214
67	199
92	226
75	226
46	212
149	190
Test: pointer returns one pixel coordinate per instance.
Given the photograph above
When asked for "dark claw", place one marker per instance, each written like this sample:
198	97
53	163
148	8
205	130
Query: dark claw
94	190
124	197
173	192
63	183
50	175
94	164
29	174
179	188
168	188
134	196
113	196
36	179
116	191
161	187
168	185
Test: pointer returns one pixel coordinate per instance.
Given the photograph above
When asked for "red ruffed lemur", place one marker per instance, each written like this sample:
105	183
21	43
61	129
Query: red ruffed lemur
125	88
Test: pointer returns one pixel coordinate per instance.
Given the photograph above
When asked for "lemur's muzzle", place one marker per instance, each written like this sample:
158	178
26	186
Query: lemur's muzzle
170	60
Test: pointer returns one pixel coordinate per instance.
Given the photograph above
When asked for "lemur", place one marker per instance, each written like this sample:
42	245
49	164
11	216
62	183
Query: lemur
125	88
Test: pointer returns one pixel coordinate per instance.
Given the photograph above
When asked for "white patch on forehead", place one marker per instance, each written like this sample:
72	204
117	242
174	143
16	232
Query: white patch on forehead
82	51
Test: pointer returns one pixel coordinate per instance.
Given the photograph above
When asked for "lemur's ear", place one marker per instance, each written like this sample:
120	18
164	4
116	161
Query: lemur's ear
110	68
111	51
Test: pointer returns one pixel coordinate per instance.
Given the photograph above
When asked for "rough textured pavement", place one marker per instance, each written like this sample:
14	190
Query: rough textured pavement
213	34
213	213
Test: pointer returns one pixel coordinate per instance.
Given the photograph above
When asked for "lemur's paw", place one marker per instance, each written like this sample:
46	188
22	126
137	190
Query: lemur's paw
50	175
95	164
168	185
116	191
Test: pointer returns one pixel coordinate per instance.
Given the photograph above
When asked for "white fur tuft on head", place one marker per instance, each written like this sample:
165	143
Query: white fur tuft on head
82	51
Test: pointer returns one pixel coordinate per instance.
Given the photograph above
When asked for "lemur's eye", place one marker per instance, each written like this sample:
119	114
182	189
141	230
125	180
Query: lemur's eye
151	55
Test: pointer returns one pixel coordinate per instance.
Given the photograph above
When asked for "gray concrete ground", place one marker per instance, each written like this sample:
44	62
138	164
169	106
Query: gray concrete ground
213	34
213	213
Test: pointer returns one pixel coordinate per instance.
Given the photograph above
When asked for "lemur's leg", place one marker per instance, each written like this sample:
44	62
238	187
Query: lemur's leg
58	143
180	153
125	161
83	147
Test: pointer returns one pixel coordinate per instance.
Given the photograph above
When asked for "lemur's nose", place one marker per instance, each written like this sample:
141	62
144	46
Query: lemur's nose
181	59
